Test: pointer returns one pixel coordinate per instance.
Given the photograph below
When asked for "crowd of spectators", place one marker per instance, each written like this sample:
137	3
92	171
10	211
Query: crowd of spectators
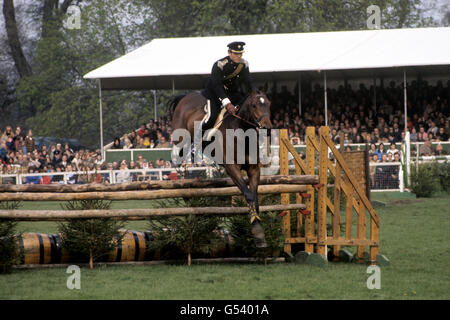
364	115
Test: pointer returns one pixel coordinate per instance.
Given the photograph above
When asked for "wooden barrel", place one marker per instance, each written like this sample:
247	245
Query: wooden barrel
63	254
39	248
132	247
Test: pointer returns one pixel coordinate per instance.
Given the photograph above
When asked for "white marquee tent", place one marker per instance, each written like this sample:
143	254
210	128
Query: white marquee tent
184	63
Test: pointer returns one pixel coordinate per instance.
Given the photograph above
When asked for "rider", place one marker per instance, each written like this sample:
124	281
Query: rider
224	87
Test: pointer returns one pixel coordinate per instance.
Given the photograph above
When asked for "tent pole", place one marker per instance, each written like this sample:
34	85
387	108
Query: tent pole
300	94
405	100
155	106
325	96
102	150
375	94
407	136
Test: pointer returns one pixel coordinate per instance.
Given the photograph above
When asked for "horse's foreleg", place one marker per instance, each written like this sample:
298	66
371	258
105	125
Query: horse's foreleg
254	174
252	200
235	175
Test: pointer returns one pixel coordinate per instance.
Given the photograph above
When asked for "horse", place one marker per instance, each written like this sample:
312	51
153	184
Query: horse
254	113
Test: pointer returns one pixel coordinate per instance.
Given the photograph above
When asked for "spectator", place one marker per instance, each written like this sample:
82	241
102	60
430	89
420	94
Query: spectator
426	149
128	144
71	177
440	150
163	143
141	131
10	145
30	142
373	149
133	138
98	160
380	151
413	135
7	134
116	144
124	174
392	149
442	135
32	179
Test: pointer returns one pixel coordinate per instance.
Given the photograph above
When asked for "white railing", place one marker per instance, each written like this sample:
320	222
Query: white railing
104	176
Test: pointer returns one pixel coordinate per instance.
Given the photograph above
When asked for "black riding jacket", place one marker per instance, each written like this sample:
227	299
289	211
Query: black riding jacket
225	82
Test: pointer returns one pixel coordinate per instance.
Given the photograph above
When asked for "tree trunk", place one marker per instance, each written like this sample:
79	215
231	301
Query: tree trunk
189	259
91	260
21	63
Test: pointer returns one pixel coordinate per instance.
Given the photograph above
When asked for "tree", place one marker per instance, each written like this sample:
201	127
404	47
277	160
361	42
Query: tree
90	239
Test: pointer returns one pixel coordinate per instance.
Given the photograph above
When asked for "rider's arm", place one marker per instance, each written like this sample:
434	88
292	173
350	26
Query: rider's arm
216	76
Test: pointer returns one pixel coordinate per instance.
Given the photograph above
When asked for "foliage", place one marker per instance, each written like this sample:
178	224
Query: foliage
424	180
189	234
57	101
443	172
90	239
241	230
9	250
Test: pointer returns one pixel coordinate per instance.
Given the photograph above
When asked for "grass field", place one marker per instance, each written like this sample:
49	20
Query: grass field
414	236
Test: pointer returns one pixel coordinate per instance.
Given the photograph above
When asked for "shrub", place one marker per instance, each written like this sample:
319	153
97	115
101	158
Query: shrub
240	229
90	239
424	180
443	172
9	250
187	235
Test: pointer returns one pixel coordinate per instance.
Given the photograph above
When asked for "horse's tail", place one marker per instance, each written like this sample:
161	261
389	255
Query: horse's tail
174	102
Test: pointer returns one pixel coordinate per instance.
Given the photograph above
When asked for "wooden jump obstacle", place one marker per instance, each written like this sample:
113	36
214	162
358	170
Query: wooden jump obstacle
311	229
311	177
273	184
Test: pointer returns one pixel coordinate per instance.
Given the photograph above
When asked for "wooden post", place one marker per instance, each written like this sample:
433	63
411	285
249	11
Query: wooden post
361	229
298	200
310	164
336	218
284	170
322	194
349	212
374	235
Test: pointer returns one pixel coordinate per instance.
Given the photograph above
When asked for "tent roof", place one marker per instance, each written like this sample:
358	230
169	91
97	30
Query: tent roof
185	63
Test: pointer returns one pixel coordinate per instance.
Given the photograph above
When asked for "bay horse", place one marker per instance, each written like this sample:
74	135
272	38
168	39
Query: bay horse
254	113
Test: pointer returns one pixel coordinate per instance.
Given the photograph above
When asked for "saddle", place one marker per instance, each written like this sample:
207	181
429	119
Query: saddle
217	123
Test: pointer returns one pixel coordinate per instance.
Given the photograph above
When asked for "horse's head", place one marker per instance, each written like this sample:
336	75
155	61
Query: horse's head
257	109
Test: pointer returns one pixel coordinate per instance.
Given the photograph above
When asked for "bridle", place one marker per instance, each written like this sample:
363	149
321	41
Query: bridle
256	123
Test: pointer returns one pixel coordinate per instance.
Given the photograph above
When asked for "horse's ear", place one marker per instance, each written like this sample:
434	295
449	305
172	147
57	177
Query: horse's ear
265	88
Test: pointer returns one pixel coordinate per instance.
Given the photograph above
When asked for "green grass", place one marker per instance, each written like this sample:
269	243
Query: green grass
414	236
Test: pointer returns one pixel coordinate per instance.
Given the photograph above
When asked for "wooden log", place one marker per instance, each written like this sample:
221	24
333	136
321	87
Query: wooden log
147	194
154	185
137	214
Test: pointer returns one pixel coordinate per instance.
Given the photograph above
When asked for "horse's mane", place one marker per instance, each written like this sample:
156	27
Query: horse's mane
174	102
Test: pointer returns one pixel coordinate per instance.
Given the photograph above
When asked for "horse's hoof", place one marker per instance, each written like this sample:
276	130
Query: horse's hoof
260	243
258	235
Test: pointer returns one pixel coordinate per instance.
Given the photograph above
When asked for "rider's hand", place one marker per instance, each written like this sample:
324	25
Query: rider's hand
230	108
